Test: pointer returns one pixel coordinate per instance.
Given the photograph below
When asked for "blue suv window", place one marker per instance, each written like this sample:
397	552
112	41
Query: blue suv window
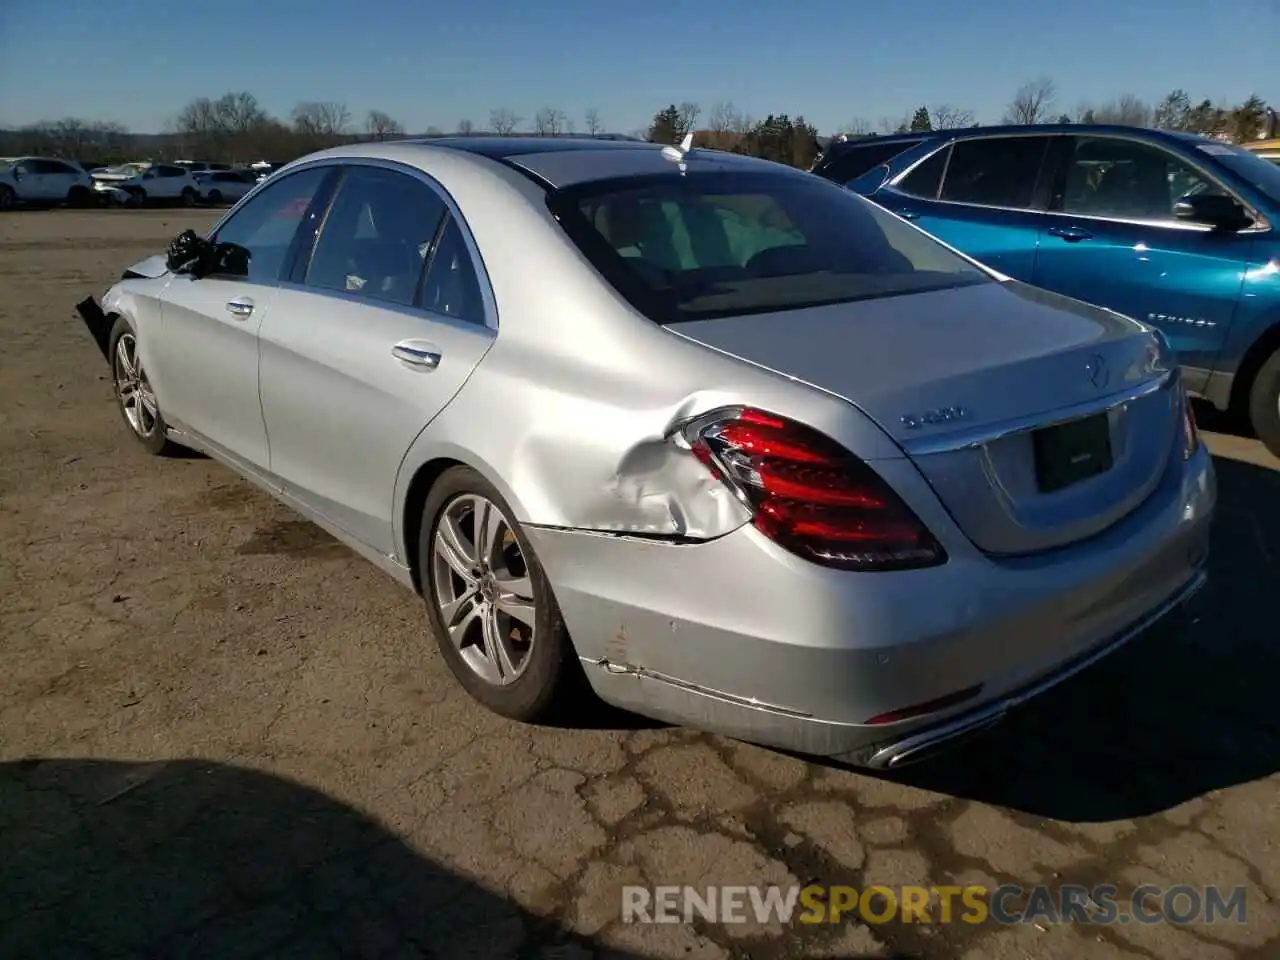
995	171
1129	180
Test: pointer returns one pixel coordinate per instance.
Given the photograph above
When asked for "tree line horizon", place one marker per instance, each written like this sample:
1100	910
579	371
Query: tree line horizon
234	128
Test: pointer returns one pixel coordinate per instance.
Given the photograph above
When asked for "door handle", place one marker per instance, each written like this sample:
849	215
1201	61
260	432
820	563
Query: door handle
240	308
417	353
1071	234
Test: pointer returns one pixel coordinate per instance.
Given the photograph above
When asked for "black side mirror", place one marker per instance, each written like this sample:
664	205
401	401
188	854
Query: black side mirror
1213	209
188	253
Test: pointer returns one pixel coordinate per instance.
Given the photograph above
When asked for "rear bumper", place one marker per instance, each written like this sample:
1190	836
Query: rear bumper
738	637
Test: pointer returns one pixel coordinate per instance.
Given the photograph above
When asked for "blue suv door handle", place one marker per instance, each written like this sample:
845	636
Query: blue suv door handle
1071	234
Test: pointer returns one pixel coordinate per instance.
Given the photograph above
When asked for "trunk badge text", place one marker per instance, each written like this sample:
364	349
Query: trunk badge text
913	421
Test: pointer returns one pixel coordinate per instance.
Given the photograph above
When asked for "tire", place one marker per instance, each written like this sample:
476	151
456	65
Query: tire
137	198
1264	404
215	196
188	198
143	418
8	199
545	679
78	197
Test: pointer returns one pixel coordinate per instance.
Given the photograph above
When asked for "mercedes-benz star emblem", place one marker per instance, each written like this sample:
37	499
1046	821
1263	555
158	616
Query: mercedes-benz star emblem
1097	369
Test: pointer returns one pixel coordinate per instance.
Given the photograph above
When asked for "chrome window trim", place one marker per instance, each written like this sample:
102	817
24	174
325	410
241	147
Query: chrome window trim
981	436
477	261
1260	225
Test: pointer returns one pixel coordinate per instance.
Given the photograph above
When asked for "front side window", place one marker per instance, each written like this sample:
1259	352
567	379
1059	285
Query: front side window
1129	180
710	245
1261	173
377	236
267	224
995	171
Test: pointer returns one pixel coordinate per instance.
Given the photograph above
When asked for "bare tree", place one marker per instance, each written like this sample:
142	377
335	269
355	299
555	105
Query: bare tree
503	121
322	119
888	125
549	122
857	127
466	128
689	113
592	121
946	117
434	131
382	126
1033	103
1126	111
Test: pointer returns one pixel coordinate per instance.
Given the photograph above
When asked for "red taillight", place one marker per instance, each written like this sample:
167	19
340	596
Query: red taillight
810	495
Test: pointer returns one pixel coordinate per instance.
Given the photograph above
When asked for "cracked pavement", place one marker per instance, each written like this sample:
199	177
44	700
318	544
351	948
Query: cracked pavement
224	735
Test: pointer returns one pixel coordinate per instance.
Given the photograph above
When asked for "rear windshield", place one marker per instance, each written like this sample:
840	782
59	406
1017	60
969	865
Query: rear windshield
720	244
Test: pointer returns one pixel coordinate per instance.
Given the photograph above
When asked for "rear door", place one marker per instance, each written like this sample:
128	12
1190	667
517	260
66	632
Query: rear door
984	196
376	332
1110	238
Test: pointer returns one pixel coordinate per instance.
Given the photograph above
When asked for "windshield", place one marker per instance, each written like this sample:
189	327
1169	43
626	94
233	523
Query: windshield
714	244
1262	176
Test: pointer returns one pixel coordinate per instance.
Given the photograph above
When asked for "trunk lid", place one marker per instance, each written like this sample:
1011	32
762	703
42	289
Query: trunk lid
967	380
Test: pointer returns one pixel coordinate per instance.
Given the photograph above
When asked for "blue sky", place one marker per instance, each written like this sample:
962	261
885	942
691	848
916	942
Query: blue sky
436	63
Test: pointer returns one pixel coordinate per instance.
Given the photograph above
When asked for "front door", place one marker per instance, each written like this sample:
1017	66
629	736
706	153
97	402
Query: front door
1110	238
384	326
209	326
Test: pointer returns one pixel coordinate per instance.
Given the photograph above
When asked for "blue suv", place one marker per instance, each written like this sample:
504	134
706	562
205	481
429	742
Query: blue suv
1174	229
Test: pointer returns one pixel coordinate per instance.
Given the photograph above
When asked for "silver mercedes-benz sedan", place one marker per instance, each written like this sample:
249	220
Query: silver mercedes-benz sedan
735	445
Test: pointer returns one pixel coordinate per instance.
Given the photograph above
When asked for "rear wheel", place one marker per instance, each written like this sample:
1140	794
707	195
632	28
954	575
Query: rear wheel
136	399
188	198
78	196
489	603
215	196
1264	404
7	197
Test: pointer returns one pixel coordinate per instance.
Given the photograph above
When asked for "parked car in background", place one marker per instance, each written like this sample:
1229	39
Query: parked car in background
264	168
136	184
42	181
1174	229
201	166
747	450
224	186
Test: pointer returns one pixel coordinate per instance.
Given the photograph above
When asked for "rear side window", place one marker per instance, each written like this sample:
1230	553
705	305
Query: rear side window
995	172
926	178
710	245
377	236
853	162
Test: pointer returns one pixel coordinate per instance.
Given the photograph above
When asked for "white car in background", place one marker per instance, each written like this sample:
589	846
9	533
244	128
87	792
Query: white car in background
225	186
42	181
136	184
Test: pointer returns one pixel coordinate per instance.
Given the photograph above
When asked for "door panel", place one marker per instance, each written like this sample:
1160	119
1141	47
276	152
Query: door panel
343	409
982	196
383	325
1113	241
209	355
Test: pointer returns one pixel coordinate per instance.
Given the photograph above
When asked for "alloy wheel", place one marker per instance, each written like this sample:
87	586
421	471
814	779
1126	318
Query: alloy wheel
137	399
483	589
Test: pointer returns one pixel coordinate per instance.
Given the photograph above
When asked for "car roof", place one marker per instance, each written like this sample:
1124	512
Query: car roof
556	162
1014	129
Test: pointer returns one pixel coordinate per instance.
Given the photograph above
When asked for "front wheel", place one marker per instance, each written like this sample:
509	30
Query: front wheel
1264	404
188	198
136	399
215	197
78	197
8	199
489	603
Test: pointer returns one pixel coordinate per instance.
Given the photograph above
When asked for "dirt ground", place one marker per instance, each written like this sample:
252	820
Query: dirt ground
223	735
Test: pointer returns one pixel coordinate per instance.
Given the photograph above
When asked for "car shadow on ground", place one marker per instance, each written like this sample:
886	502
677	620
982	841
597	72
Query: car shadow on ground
1188	708
197	859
